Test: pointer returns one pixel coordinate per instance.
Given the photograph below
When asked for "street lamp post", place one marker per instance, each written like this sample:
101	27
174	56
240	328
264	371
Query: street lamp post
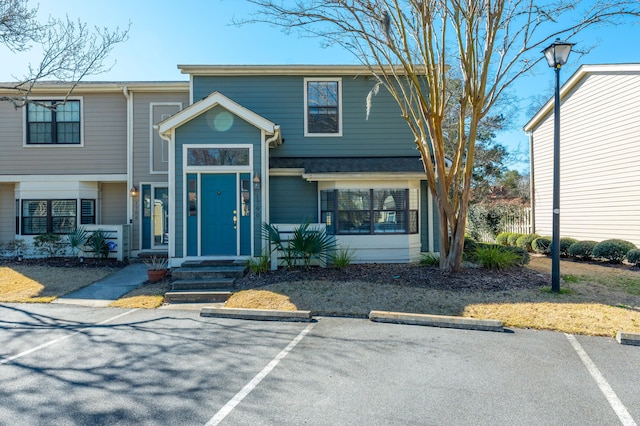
556	54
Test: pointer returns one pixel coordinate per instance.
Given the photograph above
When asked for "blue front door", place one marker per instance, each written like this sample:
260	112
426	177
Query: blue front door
219	221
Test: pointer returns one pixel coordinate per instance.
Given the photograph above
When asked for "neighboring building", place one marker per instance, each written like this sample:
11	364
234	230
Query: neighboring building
214	158
599	148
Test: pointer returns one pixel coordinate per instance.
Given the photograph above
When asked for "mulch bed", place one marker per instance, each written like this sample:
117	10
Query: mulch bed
407	275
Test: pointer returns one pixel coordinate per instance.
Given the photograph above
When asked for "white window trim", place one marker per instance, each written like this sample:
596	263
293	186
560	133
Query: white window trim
306	114
53	145
153	131
222	169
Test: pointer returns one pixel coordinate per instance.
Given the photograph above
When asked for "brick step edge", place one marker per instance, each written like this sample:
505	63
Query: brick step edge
257	314
628	338
437	321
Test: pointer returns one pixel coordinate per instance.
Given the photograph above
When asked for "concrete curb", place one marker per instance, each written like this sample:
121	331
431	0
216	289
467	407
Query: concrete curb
437	321
628	338
257	314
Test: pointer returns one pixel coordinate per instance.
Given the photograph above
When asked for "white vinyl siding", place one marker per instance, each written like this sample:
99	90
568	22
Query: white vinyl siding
599	148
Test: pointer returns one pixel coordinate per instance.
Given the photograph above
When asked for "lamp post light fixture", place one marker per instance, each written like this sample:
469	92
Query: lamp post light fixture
556	54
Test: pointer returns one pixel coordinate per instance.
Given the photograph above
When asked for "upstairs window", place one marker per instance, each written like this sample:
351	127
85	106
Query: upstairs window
323	108
51	124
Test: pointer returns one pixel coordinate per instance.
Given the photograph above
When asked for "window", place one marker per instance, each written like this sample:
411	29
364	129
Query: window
48	123
218	157
370	211
43	216
323	108
87	212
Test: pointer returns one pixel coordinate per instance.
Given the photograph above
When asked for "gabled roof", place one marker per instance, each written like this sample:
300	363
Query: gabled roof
578	76
211	101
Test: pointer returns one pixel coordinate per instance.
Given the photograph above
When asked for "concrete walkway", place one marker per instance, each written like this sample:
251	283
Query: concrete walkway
108	289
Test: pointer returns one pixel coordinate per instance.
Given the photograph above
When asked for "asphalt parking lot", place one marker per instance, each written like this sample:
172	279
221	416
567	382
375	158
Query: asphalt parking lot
69	365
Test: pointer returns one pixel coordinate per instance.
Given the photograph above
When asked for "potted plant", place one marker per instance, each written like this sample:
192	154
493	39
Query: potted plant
157	267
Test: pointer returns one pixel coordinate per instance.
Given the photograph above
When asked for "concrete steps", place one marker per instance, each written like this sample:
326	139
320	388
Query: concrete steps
204	282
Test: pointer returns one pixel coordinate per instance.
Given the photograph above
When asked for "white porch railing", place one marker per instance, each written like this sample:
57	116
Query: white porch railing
118	239
286	232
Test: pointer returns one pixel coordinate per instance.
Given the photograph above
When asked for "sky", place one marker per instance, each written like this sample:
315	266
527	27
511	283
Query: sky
165	33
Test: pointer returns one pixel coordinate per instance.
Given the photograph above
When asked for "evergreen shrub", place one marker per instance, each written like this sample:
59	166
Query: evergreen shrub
614	250
582	249
542	245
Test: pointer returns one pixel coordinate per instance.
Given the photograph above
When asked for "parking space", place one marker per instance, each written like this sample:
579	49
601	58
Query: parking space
174	367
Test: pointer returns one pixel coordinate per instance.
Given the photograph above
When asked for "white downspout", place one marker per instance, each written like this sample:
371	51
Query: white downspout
129	97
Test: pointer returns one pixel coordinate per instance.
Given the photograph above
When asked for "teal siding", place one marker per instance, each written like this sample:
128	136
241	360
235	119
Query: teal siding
202	130
281	100
293	200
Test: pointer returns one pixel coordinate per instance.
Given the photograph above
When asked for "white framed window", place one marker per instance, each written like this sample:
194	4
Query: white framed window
51	122
218	157
323	107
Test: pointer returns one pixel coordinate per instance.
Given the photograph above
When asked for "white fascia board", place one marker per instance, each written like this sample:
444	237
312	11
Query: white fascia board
580	74
104	87
286	172
64	178
215	99
325	177
247	70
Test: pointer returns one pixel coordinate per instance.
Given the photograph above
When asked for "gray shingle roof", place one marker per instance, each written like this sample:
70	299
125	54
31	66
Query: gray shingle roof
348	164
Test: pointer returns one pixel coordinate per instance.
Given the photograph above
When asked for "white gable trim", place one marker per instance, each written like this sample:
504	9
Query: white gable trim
211	101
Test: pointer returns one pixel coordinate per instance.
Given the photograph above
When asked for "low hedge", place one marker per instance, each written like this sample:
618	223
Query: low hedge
502	238
582	249
633	257
614	250
513	237
541	245
524	242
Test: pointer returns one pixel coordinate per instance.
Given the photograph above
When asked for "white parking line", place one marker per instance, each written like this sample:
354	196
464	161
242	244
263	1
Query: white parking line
59	339
233	402
605	388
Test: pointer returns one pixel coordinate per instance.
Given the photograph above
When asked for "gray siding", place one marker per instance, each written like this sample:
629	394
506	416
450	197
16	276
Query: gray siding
7	213
599	145
199	131
113	203
281	100
292	200
105	141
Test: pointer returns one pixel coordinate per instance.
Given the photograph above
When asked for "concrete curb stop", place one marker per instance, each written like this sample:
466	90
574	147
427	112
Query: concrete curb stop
257	314
437	321
628	338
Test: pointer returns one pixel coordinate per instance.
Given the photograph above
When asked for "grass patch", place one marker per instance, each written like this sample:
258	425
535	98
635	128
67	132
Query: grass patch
43	284
570	278
258	299
148	296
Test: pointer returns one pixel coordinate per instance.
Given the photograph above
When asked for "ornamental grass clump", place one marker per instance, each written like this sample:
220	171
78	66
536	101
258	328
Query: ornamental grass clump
582	249
493	256
613	250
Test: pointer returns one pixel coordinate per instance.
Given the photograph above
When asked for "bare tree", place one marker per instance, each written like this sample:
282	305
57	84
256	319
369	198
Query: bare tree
70	50
413	48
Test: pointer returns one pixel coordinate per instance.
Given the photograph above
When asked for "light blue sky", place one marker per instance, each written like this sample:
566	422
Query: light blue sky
165	33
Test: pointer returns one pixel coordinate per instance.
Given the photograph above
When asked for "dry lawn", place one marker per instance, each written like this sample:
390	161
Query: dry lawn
43	284
148	296
595	300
